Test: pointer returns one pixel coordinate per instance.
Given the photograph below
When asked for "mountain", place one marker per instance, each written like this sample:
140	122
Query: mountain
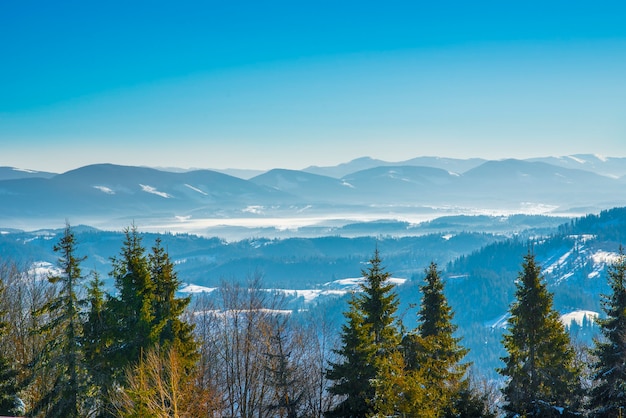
112	191
517	182
107	195
12	173
606	166
392	185
479	268
574	259
453	165
311	188
344	169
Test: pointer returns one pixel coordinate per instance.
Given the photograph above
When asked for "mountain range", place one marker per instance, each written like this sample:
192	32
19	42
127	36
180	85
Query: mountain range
107	194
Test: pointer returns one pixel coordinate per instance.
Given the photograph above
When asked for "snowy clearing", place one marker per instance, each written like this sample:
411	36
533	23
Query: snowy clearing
153	190
578	316
104	189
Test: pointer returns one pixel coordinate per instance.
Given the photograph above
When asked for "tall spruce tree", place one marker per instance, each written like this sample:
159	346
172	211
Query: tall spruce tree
96	342
542	378
368	337
132	308
65	324
434	351
608	395
172	330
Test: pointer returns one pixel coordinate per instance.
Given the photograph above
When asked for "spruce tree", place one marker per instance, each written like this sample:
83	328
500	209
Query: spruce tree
542	378
368	337
608	395
97	341
172	330
65	325
132	308
352	376
434	351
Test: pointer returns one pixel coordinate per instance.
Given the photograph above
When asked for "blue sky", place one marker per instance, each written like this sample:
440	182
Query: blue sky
222	84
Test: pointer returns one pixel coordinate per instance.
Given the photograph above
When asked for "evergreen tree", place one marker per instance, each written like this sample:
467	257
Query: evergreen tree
353	375
64	321
96	342
542	377
368	337
168	309
434	351
608	396
132	309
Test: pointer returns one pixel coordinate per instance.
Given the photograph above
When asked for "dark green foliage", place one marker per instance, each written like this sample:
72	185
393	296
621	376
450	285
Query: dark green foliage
64	324
171	330
369	335
132	308
352	376
96	342
9	401
608	395
540	370
434	351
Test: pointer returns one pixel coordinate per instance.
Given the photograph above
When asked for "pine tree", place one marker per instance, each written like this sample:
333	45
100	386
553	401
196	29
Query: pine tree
168	309
434	351
608	395
132	308
64	321
368	337
542	377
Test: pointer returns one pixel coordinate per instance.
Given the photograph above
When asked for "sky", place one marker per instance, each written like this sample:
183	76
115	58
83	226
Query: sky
265	84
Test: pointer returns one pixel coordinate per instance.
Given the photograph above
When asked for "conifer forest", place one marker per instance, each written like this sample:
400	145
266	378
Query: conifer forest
70	347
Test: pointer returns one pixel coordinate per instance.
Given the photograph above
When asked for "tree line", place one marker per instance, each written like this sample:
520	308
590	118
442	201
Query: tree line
72	349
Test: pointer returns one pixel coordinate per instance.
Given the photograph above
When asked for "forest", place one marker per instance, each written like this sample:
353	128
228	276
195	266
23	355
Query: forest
70	348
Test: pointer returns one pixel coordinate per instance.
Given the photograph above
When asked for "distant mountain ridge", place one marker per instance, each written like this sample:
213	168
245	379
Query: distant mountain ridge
448	186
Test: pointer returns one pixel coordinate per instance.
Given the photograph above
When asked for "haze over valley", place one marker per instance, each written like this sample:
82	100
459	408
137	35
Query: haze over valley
312	201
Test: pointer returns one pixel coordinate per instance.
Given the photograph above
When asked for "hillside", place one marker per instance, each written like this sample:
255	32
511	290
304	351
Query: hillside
202	201
480	268
574	259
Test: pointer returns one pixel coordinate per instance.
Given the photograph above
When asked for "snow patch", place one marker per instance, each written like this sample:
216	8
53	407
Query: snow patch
605	257
564	277
255	209
558	263
105	189
42	270
153	190
500	322
195	189
24	170
578	160
354	282
578	317
227	313
193	288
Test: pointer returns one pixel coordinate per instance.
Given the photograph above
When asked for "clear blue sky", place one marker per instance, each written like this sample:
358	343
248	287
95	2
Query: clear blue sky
262	84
